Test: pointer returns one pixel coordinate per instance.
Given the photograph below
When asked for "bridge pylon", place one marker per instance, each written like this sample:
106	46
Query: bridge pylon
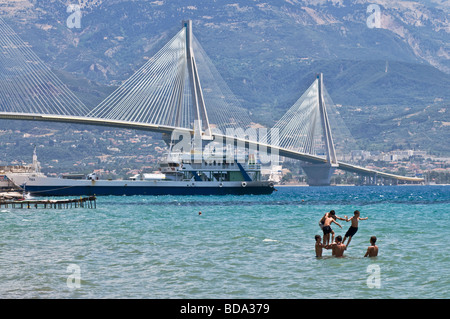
320	174
201	123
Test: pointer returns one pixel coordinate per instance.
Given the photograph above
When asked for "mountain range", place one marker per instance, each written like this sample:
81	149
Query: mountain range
388	73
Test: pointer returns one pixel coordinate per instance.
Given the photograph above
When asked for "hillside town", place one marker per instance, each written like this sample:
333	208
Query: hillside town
117	154
434	169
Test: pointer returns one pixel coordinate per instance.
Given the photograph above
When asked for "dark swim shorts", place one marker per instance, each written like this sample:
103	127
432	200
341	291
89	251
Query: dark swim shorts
326	230
351	231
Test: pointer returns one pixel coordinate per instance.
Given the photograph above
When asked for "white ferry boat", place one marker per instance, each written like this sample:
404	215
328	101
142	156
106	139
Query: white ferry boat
179	174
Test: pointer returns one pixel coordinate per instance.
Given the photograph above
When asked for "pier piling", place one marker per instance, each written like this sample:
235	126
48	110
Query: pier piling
82	202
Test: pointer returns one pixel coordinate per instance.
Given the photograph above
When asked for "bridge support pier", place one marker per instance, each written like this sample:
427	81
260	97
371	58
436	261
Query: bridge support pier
318	174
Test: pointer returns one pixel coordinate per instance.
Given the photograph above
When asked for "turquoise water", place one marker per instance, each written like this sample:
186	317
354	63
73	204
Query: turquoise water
239	247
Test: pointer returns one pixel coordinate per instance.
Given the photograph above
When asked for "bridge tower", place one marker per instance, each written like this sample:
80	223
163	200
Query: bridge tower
320	174
201	123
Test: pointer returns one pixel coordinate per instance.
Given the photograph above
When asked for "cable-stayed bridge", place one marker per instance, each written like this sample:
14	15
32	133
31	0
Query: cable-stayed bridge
178	92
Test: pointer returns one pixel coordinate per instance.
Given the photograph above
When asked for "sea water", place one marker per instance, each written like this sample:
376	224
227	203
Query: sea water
259	246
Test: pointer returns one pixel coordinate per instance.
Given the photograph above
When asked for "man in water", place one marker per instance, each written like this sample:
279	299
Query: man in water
337	248
353	228
319	246
372	250
327	230
331	213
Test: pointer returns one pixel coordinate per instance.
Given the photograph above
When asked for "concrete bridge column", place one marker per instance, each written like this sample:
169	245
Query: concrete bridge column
318	174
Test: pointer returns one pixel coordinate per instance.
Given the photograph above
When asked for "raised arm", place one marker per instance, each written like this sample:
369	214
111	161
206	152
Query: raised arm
336	223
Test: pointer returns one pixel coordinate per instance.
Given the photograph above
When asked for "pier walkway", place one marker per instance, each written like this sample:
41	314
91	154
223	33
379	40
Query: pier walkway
82	202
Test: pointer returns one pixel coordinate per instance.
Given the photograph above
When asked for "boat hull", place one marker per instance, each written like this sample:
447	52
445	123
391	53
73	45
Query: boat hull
146	190
46	186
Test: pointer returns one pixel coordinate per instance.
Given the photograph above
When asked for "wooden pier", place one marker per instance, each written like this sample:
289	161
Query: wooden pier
82	202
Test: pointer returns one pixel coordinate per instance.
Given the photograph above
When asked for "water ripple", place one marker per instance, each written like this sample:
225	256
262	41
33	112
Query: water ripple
240	247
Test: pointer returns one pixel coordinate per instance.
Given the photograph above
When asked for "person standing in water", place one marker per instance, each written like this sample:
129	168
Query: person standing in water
331	213
319	246
372	250
327	230
337	248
